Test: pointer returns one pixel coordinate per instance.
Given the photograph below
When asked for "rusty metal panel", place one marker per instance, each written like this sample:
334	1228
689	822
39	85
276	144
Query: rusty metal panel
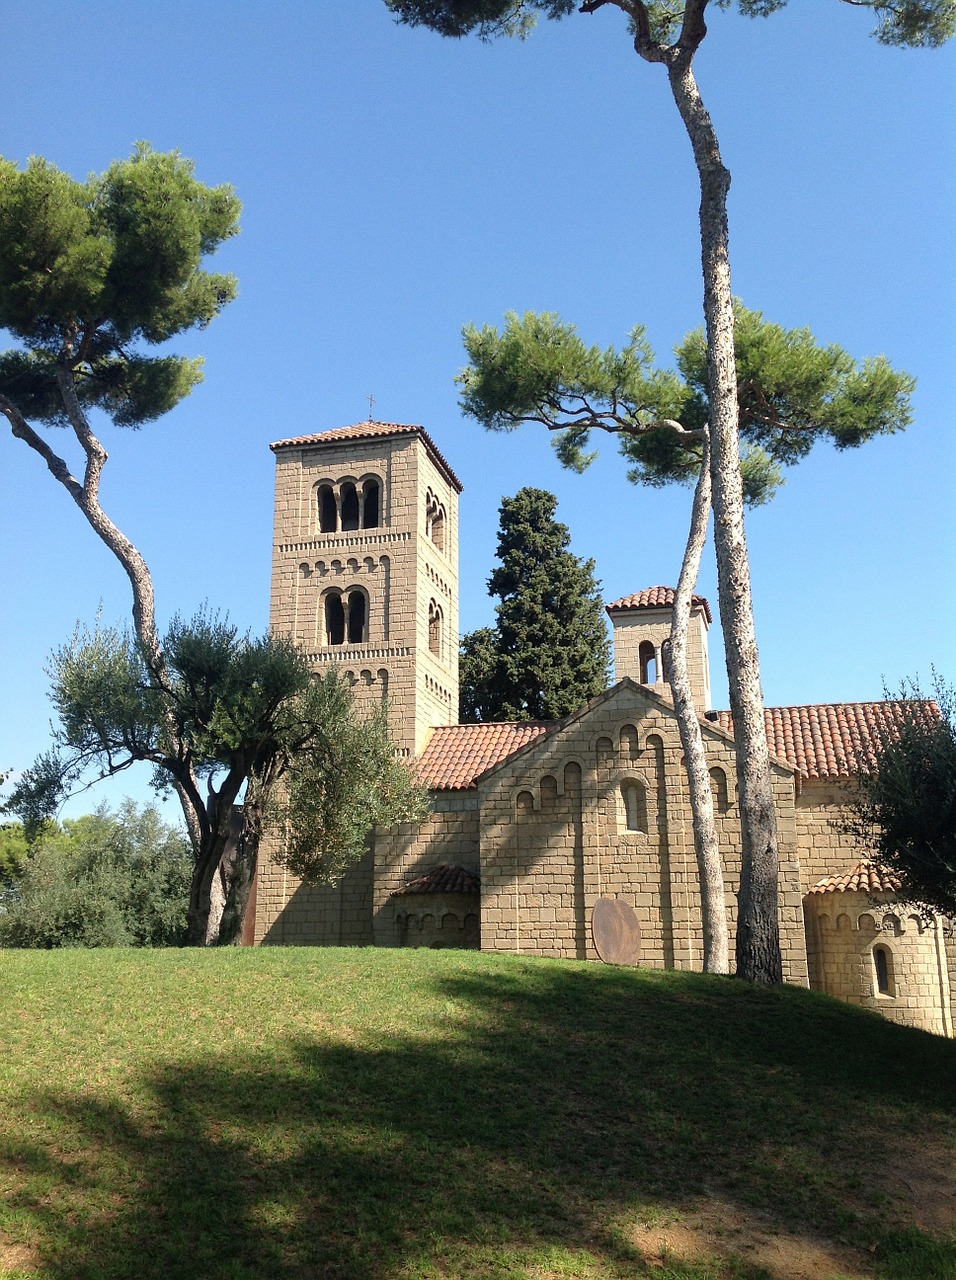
616	931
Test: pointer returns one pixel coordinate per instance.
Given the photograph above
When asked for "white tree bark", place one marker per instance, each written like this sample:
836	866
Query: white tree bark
205	905
758	929
710	872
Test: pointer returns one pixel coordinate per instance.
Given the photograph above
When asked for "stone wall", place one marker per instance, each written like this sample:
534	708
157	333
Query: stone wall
449	834
290	913
846	930
825	848
438	920
600	809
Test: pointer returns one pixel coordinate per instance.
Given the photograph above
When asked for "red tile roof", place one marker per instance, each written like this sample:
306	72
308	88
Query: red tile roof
824	741
457	754
863	878
656	598
365	431
443	879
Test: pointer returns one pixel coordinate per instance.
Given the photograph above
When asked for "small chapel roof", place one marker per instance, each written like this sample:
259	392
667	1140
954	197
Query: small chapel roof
442	879
368	430
865	877
655	598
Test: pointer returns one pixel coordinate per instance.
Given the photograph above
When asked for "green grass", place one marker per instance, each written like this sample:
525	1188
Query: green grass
330	1114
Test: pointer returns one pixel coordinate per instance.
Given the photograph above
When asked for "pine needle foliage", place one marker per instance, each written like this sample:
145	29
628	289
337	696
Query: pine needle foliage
93	271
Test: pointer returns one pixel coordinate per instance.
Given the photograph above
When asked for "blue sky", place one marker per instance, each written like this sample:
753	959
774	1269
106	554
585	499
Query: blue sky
396	186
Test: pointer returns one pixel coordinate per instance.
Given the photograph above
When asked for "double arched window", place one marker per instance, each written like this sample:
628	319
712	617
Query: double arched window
434	520
348	505
346	617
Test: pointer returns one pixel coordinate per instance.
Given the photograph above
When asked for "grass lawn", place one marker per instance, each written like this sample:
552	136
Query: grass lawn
245	1114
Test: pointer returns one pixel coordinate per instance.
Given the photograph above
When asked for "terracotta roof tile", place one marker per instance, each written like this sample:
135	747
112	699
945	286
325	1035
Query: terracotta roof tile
865	877
457	754
365	431
443	879
656	598
824	741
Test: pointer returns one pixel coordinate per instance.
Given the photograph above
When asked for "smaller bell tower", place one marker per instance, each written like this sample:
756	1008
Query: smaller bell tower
642	622
365	567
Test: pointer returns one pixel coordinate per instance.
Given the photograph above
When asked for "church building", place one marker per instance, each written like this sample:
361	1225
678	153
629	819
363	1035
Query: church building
533	824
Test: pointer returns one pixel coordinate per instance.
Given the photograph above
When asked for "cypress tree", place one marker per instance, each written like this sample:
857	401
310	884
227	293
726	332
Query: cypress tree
549	653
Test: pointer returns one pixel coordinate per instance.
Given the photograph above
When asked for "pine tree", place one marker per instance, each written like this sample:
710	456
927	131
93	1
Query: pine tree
669	36
550	651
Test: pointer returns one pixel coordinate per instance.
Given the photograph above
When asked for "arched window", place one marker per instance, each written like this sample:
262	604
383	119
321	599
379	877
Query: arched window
357	617
334	619
350	506
883	971
549	792
435	628
524	804
647	657
629	741
635	806
438	529
718	785
371	503
346	618
328	511
434	520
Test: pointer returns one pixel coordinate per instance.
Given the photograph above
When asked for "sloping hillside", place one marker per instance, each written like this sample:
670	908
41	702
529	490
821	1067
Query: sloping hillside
296	1113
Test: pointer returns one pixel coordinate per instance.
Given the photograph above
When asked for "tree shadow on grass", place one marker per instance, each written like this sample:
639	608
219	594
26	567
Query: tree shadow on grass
550	1109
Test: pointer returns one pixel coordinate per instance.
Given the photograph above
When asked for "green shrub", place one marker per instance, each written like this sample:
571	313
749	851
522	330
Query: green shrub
105	880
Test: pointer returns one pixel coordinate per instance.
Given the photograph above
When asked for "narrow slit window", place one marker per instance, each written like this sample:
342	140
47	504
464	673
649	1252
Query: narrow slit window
434	629
438	529
718	786
635	806
434	520
883	966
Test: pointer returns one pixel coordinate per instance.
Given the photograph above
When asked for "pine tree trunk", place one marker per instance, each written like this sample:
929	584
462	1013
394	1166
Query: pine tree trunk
209	890
758	930
706	846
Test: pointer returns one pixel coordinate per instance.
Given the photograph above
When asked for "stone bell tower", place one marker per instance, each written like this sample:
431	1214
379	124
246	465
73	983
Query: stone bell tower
365	567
